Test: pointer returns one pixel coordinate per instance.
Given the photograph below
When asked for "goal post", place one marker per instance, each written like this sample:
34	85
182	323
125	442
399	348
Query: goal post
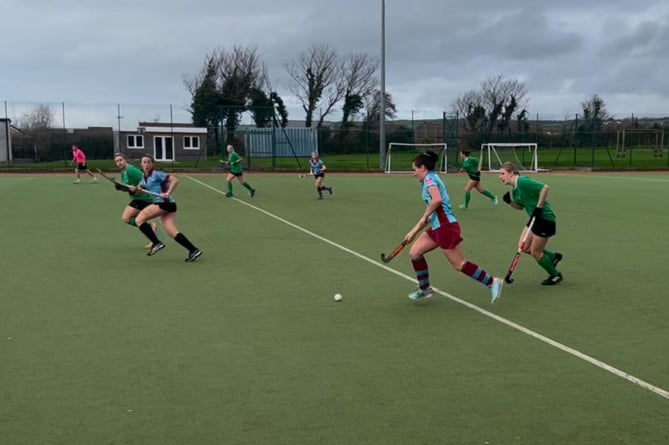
399	156
524	155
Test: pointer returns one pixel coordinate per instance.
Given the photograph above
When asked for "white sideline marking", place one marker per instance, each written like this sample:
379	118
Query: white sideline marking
600	364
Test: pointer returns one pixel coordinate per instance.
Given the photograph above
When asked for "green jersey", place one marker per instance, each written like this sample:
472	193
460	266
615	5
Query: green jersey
471	165
526	194
133	176
235	162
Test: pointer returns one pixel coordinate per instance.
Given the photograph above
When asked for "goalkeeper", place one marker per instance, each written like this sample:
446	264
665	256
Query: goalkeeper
471	165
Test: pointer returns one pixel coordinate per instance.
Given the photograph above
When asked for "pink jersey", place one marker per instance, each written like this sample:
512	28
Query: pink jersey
78	156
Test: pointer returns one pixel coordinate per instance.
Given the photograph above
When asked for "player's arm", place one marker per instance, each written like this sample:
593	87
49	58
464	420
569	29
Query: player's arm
507	199
435	203
172	183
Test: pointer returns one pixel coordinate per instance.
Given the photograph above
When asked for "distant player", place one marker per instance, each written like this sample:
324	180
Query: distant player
235	163
443	231
131	175
317	169
530	195
79	157
470	165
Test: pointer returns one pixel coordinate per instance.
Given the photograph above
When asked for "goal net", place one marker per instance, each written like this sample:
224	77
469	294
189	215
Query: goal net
522	155
400	155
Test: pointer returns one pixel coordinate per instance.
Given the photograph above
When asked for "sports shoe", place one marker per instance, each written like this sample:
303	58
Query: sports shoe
320	197
76	181
194	255
228	195
156	248
496	289
552	280
330	190
95	180
253	193
421	294
556	259
462	206
495	201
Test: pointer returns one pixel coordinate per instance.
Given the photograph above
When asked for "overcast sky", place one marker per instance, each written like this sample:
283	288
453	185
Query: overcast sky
92	55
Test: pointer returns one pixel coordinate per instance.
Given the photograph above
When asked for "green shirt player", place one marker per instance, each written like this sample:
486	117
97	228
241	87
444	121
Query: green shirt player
131	175
471	165
530	195
235	163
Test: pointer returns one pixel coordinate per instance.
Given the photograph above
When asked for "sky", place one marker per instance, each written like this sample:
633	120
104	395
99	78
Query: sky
93	55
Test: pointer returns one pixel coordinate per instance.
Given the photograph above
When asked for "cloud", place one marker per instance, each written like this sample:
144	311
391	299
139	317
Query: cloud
87	52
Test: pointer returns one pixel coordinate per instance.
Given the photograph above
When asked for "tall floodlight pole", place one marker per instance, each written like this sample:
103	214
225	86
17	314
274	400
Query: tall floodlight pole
382	101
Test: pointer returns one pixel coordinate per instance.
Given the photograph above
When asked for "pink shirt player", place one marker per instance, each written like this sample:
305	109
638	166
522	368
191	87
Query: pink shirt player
78	156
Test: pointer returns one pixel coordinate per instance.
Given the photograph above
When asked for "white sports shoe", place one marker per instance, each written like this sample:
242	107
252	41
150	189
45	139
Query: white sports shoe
496	289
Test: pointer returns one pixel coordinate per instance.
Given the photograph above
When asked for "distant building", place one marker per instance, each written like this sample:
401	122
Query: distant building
166	142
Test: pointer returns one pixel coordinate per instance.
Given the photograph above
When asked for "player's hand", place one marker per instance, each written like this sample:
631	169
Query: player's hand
507	198
118	187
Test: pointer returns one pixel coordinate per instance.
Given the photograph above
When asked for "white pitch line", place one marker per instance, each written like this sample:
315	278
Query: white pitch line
593	361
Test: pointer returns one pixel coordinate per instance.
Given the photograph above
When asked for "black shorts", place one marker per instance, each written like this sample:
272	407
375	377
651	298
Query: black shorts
319	175
169	207
139	204
476	178
544	228
82	166
237	175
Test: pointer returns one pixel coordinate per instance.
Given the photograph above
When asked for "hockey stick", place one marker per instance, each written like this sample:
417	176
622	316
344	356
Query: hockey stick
304	176
521	247
124	187
394	253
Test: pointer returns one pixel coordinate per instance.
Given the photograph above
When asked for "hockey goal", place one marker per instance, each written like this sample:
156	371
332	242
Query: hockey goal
523	155
400	155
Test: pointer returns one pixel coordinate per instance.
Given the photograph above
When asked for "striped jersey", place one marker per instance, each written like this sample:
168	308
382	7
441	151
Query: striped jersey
444	214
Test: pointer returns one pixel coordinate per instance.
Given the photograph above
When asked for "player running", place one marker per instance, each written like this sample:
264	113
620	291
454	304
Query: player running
79	157
471	165
235	163
317	169
163	207
530	195
443	231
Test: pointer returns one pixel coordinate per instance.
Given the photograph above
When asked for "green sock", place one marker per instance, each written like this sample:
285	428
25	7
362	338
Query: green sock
550	254
132	222
247	186
230	187
489	195
547	264
468	197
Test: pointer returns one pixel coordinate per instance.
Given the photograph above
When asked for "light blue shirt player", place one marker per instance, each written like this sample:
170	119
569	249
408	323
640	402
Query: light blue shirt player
316	167
157	182
444	214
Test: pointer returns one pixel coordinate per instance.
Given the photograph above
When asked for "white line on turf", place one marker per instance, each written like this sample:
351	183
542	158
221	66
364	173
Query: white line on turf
593	361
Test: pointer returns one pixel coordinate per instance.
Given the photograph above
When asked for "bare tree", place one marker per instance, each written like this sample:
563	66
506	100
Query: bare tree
493	106
359	81
316	80
39	118
594	113
373	108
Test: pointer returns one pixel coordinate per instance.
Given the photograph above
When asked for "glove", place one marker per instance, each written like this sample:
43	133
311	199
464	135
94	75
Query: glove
538	211
118	187
507	198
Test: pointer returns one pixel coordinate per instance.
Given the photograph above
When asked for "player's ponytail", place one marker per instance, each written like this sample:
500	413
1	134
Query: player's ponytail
427	160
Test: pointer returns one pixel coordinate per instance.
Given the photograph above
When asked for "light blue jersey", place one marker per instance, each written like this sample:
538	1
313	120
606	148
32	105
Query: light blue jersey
158	182
443	215
316	167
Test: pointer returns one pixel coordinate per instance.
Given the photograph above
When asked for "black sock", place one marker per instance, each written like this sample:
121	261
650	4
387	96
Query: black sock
181	239
149	233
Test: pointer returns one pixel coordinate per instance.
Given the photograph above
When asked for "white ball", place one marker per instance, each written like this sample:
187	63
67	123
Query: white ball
338	297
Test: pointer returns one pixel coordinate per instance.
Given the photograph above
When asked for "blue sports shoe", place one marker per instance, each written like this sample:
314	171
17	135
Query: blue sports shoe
496	289
421	294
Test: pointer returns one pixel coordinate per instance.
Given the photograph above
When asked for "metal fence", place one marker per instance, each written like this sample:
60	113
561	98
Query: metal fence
616	144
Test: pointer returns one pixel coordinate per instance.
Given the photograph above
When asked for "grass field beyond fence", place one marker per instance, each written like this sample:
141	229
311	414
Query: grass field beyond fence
101	344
